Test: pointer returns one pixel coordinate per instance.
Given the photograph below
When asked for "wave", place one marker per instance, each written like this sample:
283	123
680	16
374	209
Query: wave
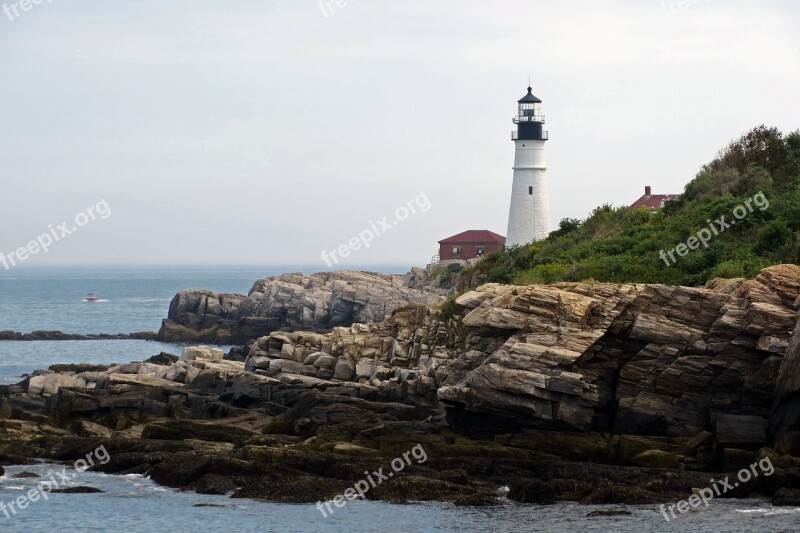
769	511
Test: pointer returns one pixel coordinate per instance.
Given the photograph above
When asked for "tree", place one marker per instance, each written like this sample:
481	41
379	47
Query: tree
761	146
565	227
772	237
793	142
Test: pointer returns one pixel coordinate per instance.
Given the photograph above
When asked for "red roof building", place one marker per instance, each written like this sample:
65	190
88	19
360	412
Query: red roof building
470	245
654	202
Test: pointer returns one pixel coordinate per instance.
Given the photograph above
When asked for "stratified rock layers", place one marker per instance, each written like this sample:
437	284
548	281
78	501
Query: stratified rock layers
294	301
635	359
667	381
629	359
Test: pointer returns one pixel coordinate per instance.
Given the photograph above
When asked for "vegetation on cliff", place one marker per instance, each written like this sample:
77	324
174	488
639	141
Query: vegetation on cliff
620	244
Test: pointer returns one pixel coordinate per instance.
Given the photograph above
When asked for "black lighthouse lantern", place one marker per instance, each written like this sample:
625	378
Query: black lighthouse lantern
529	119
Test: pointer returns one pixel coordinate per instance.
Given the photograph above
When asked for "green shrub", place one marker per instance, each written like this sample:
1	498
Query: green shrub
500	274
448	309
772	237
729	269
543	274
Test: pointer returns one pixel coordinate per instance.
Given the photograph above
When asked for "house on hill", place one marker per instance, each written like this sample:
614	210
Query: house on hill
472	244
654	202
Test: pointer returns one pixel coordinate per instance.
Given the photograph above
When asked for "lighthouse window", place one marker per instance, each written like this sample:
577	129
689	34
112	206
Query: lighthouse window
530	190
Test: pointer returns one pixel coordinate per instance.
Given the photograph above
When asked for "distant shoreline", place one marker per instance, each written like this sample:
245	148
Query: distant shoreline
61	336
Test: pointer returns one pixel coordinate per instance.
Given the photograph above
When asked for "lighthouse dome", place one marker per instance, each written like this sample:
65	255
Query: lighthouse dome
529	98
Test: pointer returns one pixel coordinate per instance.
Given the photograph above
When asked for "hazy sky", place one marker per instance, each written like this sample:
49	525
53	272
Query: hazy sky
258	132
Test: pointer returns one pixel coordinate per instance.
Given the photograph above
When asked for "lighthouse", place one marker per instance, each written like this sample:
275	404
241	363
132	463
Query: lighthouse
529	216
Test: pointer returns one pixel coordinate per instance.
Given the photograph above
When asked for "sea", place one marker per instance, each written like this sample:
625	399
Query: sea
134	299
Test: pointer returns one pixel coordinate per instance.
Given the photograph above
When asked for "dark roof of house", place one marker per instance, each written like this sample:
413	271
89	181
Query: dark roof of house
529	98
654	201
474	236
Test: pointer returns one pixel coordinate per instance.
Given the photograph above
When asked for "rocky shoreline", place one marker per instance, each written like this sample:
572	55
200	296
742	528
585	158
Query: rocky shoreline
61	336
596	393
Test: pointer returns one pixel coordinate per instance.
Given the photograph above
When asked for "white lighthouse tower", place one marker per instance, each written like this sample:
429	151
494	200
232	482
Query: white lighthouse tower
529	217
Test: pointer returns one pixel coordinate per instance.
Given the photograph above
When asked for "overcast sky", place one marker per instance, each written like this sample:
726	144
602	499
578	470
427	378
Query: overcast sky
258	132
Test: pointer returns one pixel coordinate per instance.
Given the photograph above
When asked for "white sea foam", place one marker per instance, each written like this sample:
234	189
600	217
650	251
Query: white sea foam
770	511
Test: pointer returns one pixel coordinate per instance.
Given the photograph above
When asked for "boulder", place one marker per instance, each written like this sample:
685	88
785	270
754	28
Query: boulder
163	358
190	353
77	490
704	438
786	498
344	370
49	384
656	459
365	368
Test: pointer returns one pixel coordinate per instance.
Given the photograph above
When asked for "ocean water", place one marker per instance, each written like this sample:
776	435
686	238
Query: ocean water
135	504
130	299
19	358
137	299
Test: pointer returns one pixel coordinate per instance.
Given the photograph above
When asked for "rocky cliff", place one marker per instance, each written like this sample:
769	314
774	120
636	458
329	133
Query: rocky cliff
294	301
644	385
647	359
627	359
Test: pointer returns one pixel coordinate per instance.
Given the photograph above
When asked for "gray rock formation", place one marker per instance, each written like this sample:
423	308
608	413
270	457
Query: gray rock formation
667	381
294	301
632	359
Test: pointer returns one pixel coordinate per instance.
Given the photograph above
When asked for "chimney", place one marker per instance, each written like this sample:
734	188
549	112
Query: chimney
647	191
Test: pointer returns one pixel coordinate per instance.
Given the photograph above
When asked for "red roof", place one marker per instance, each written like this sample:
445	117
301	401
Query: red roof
474	236
654	201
